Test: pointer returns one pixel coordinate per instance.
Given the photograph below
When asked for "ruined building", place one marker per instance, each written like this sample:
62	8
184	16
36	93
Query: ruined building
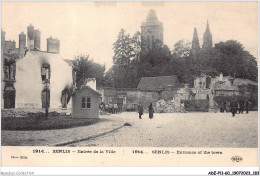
207	38
195	48
34	79
151	31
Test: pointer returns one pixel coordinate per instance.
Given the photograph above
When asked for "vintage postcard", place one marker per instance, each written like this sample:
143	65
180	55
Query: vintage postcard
129	84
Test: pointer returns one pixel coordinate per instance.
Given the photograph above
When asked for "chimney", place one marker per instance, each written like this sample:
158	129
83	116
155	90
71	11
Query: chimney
37	39
91	82
22	41
53	45
30	37
2	39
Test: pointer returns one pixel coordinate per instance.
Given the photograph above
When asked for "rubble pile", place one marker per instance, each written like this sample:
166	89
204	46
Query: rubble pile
167	107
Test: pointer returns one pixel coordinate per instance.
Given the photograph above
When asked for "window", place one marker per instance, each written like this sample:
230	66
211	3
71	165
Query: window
86	102
45	72
9	72
83	105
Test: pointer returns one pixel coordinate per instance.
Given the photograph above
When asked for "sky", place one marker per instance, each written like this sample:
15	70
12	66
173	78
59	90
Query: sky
92	27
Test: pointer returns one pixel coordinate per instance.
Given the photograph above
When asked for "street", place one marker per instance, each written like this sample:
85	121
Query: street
182	130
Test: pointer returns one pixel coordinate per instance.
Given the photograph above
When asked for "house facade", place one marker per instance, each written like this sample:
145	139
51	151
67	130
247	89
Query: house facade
34	79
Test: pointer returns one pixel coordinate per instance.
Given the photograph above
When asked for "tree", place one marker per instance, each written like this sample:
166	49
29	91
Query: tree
183	64
87	68
123	50
154	62
136	45
126	55
231	59
182	49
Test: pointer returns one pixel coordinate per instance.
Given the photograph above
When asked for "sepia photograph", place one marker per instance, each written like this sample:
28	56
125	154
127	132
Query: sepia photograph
136	75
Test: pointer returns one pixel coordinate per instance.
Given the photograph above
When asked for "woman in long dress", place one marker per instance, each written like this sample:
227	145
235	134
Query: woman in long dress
150	111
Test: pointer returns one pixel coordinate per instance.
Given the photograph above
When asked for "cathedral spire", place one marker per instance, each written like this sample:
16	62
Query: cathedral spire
207	28
207	38
195	42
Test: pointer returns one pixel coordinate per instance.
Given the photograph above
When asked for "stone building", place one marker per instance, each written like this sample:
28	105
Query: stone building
149	90
34	79
151	31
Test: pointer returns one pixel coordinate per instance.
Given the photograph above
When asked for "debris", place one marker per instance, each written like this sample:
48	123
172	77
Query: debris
168	107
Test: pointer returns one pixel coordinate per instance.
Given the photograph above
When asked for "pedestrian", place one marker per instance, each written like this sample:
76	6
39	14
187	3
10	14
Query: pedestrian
106	107
115	108
247	106
236	106
225	106
140	110
241	105
151	111
233	107
111	108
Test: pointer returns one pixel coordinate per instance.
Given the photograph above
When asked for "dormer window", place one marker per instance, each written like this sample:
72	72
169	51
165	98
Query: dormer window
45	70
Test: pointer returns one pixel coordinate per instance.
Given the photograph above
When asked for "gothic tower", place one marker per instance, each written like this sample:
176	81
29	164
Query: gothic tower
195	48
207	38
151	31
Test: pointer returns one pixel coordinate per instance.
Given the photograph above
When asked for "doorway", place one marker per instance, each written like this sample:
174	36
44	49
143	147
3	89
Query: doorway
46	98
9	98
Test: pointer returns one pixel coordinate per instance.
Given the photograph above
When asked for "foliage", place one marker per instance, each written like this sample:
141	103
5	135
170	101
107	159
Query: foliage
124	72
231	59
182	49
221	99
249	92
131	63
155	62
87	68
35	122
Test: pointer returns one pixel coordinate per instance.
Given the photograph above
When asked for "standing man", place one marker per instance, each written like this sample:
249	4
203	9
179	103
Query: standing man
241	105
140	110
151	111
106	107
247	106
233	107
115	108
111	108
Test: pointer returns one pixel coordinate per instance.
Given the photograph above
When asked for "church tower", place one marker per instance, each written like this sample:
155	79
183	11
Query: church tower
207	38
195	48
151	31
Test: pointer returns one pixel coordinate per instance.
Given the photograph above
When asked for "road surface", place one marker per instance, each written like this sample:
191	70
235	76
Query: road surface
182	130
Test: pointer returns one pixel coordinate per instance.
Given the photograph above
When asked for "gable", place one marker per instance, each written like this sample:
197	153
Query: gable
87	90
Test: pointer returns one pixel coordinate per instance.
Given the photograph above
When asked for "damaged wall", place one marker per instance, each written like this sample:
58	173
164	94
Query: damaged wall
29	84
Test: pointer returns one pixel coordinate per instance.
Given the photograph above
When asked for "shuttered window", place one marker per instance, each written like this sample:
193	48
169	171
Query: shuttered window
86	102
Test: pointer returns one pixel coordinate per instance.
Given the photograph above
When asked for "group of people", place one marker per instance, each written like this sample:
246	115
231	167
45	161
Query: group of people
239	106
109	108
141	110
